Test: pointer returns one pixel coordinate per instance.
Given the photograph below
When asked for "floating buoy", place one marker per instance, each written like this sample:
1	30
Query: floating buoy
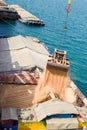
65	27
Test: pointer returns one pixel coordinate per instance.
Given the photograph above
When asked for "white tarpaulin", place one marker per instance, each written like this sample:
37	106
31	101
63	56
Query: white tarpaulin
18	53
62	124
53	107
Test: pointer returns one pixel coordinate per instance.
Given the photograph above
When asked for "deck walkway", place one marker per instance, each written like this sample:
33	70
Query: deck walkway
26	17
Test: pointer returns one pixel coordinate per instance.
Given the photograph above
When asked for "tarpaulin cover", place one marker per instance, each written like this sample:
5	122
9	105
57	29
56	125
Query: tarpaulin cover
53	107
62	124
18	53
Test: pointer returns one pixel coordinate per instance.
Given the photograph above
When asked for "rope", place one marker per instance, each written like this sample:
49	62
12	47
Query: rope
66	21
13	27
65	30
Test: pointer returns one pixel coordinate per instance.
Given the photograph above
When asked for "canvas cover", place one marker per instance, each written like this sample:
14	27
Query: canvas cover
18	53
62	124
53	107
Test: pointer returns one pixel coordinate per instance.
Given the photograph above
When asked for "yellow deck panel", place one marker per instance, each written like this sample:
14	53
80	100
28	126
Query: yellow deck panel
32	126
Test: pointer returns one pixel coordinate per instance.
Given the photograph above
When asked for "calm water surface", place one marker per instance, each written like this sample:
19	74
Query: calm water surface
73	40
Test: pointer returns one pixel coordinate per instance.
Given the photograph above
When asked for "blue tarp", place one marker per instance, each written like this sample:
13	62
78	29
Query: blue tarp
61	116
9	127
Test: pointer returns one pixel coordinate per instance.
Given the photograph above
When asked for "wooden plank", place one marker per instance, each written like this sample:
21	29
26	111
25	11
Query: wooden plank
18	96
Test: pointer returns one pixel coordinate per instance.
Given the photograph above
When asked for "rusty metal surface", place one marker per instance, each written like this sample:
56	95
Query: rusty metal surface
23	77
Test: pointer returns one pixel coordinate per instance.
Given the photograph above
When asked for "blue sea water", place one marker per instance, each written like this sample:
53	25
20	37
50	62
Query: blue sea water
73	39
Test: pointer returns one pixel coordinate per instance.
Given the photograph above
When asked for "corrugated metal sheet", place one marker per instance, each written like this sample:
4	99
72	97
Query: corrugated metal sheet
18	53
53	107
